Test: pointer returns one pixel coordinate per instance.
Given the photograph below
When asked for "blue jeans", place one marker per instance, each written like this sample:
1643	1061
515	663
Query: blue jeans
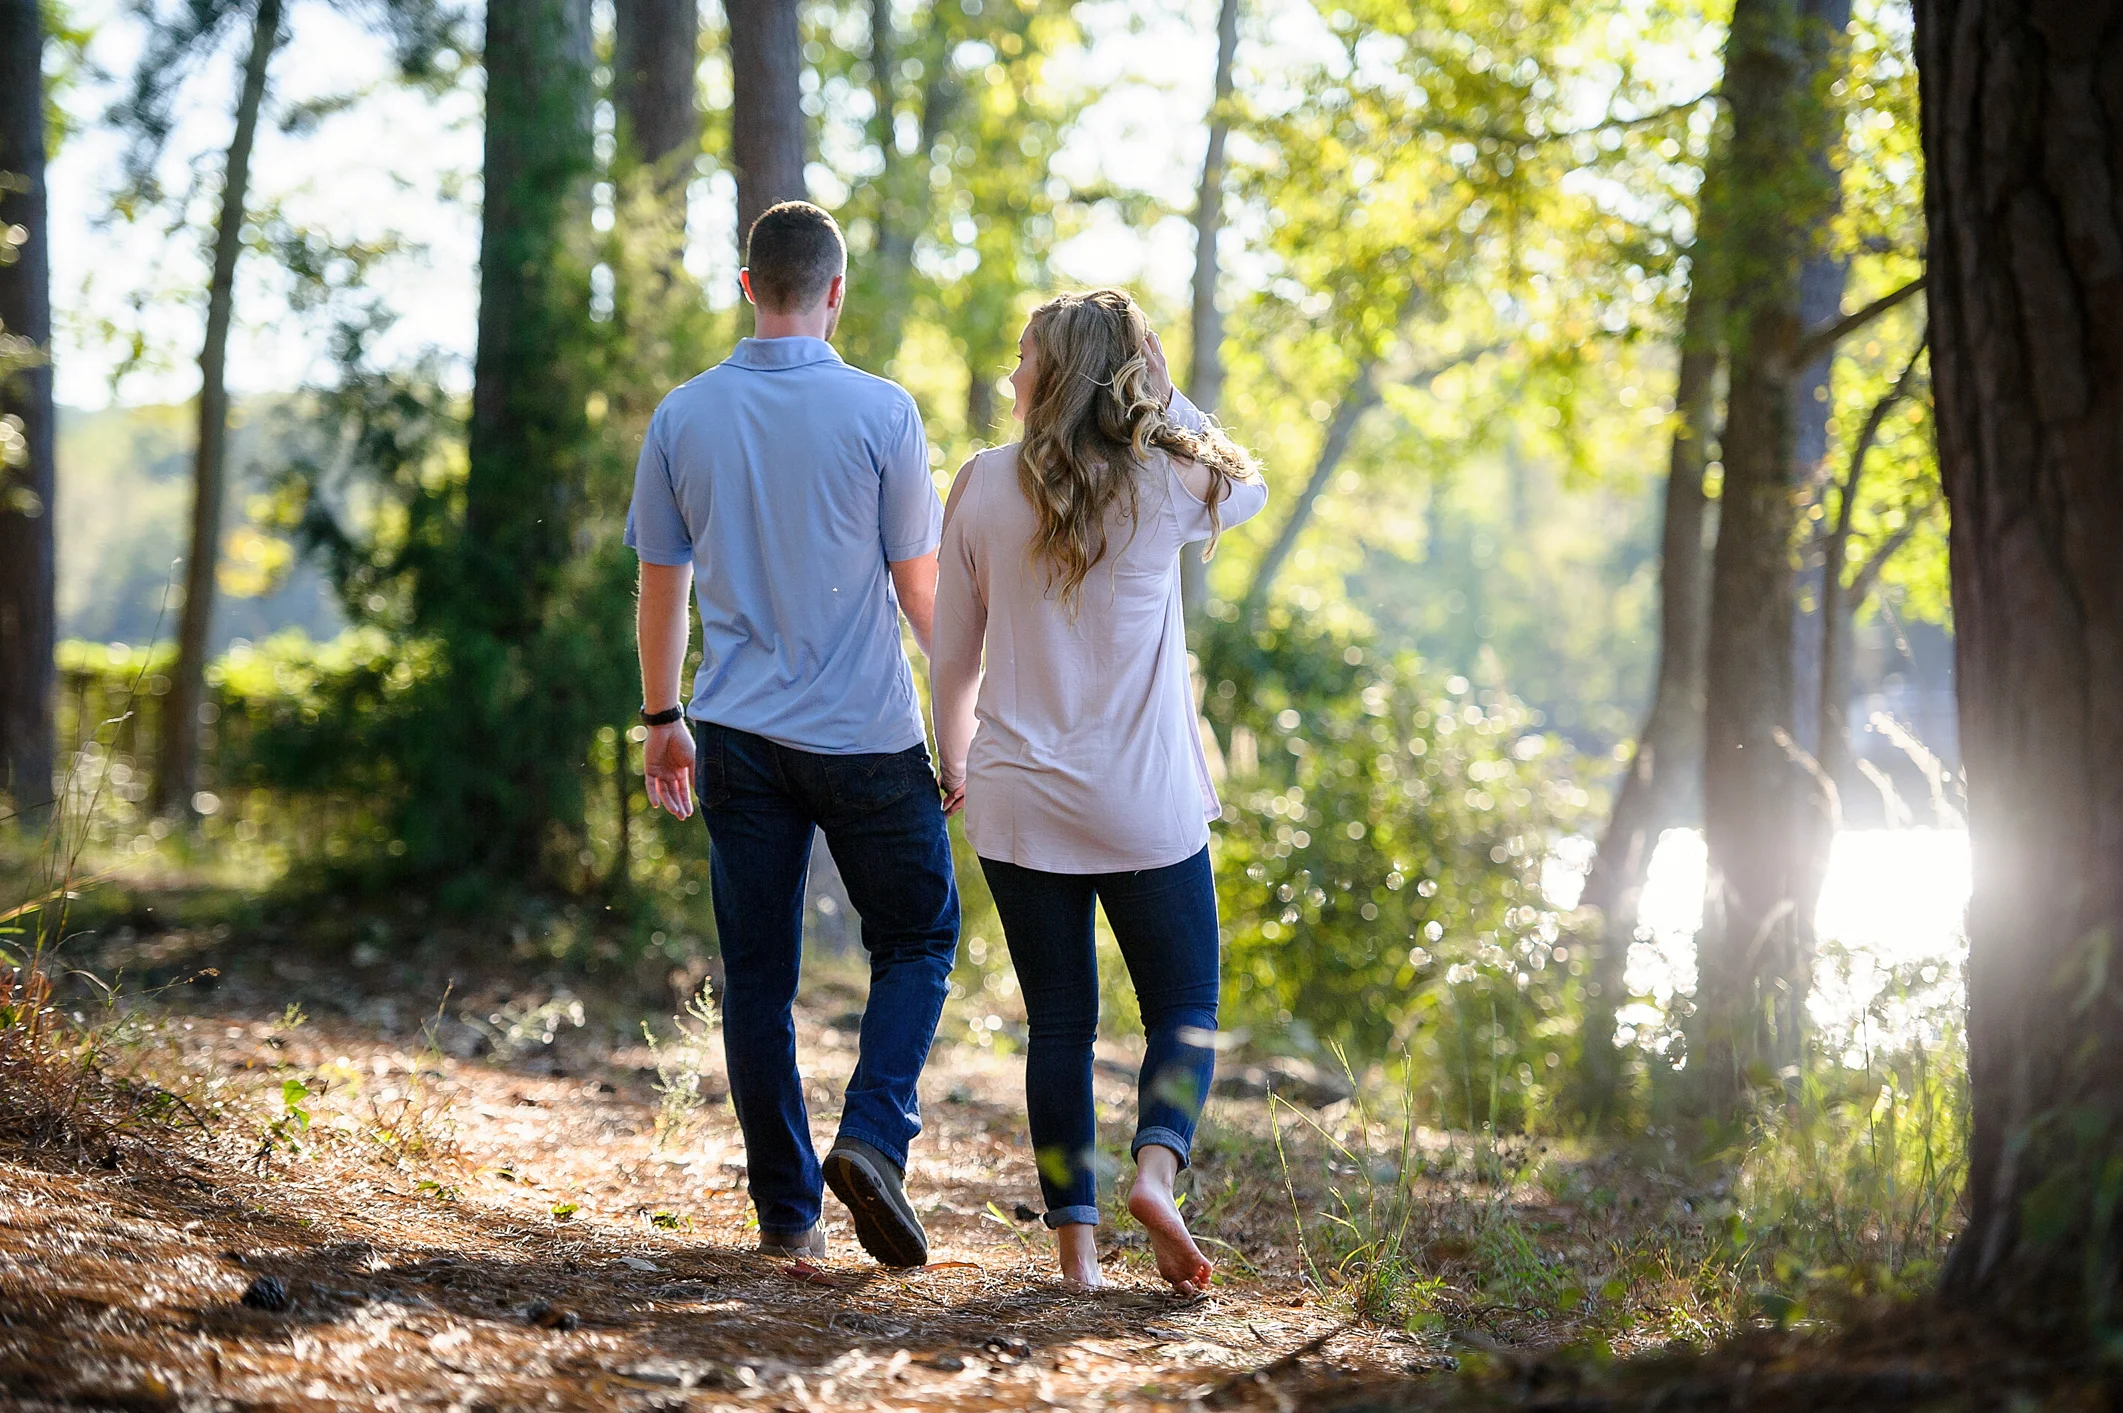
1165	922
883	819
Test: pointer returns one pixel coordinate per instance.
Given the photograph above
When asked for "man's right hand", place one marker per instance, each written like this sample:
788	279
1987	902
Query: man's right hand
668	761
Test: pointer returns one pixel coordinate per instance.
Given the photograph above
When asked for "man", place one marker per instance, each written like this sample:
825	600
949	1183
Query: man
793	491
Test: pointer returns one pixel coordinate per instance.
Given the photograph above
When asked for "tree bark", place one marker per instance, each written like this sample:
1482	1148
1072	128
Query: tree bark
1749	1014
1205	372
767	143
176	768
28	488
1663	786
655	51
2022	113
980	398
508	769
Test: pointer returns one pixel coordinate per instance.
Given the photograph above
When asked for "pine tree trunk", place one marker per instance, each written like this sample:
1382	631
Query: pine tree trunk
655	50
1205	374
1663	787
177	763
767	142
2021	121
505	766
28	487
1754	792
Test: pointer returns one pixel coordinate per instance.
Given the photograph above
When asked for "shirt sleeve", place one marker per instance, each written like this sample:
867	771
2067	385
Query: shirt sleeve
656	527
908	511
960	631
1242	501
1186	414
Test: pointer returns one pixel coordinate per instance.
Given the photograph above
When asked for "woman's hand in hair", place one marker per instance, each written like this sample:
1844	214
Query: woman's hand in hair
1160	373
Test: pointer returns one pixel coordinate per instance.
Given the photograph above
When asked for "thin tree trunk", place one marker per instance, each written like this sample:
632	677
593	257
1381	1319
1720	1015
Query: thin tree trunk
2021	146
176	770
1822	280
904	199
767	143
980	398
656	48
1753	791
1359	397
28	485
893	257
1663	786
1205	373
1840	602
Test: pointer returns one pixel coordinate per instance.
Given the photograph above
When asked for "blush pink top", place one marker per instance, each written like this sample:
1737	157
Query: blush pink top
1078	744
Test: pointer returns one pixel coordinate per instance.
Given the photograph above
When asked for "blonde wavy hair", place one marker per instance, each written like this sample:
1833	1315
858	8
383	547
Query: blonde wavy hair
1091	427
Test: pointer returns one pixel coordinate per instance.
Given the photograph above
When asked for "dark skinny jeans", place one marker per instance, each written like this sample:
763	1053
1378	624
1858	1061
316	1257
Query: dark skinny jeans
1165	922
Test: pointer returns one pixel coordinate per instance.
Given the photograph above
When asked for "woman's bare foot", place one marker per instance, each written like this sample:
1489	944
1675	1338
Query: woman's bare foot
1179	1260
1076	1250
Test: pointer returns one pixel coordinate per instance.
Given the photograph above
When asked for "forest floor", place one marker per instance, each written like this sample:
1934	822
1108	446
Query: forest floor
358	1207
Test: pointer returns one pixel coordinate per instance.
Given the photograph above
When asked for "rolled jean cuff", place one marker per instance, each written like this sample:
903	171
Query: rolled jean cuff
1072	1216
1163	1138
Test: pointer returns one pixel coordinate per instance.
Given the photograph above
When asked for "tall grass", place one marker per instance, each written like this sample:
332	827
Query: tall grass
1841	1184
1850	1182
65	1072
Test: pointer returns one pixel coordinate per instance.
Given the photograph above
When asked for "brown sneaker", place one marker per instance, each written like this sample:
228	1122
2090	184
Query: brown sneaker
809	1246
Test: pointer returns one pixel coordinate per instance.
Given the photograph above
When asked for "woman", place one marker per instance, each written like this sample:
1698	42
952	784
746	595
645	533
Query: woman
1077	757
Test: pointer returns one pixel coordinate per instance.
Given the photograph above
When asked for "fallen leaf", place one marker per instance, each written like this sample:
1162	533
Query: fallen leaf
810	1275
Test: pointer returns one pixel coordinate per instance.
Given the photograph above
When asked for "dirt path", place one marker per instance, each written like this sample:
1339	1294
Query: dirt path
469	1233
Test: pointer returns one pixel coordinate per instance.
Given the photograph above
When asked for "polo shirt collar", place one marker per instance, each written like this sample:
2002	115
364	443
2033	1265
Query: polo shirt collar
774	354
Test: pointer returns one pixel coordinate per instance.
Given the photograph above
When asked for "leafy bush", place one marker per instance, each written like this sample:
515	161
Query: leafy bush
1382	851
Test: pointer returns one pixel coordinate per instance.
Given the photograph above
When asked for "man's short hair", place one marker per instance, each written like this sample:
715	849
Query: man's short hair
793	253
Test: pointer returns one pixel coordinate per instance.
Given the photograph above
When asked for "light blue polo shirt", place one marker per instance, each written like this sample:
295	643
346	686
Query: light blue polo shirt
790	480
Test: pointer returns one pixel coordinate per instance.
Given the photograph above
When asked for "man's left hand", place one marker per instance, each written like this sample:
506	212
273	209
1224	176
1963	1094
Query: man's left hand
668	761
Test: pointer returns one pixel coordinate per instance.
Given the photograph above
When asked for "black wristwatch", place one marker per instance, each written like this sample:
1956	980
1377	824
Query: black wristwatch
662	718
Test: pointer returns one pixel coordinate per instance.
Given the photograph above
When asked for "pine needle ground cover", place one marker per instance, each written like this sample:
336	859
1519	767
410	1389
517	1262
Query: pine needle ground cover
503	1193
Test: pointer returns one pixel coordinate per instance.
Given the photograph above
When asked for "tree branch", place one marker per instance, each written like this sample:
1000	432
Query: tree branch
1608	123
1361	395
1812	345
1861	583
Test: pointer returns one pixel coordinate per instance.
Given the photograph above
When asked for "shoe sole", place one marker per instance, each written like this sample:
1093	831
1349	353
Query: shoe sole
886	1232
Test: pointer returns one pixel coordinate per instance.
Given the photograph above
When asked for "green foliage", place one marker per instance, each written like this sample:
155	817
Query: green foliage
1381	857
1849	1182
680	1064
953	207
1479	211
